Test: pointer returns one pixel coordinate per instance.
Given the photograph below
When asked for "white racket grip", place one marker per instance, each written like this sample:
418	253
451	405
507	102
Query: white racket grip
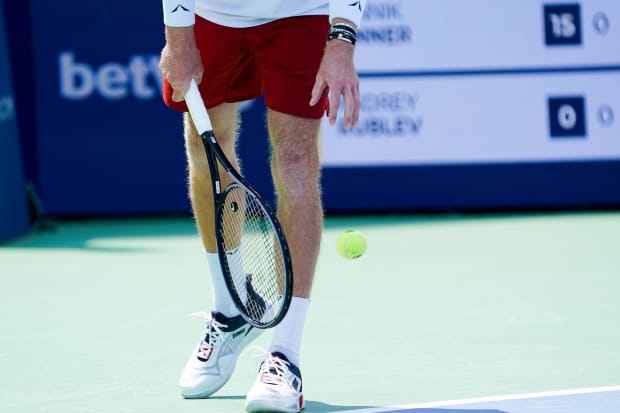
197	109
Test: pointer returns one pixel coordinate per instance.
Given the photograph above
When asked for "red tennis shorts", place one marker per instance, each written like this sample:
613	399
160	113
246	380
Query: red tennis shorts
278	60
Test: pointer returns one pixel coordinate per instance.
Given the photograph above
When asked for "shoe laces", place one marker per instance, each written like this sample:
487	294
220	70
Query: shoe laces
211	335
273	370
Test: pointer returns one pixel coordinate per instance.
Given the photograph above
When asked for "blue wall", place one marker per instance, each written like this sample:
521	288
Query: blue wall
13	211
101	142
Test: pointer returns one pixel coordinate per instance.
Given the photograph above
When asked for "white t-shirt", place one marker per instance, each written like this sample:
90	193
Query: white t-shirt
247	13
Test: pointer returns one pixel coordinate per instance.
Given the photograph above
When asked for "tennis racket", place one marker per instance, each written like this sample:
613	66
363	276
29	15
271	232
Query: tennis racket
251	245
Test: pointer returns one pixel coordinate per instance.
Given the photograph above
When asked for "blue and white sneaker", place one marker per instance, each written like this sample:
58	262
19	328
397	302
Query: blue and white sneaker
213	360
277	388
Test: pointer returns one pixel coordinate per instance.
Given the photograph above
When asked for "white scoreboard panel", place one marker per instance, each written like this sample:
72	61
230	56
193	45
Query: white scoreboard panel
484	81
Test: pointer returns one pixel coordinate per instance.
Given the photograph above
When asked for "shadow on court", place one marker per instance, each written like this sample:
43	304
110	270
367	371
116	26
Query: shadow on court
320	407
100	234
216	397
447	410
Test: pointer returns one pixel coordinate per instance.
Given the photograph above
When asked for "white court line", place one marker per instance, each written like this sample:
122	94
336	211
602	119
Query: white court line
488	399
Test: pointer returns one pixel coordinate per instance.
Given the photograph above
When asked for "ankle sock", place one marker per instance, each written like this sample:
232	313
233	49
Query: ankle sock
287	336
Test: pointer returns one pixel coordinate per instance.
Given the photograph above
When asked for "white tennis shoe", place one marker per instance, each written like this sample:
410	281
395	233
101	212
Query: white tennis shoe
213	361
277	388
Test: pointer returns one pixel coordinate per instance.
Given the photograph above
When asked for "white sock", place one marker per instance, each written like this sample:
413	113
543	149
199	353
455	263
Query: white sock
235	262
287	336
222	302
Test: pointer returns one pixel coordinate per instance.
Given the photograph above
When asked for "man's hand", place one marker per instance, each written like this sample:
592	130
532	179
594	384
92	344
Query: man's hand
337	74
180	60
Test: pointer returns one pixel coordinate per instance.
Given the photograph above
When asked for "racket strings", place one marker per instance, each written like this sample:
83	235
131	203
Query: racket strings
256	266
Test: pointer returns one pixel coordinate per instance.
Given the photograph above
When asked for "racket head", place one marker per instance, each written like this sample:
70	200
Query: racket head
254	256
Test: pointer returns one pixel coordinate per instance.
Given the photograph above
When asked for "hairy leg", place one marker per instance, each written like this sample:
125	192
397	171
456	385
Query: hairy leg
225	120
295	167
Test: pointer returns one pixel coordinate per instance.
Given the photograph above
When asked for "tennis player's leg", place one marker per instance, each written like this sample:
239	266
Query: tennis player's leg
225	121
288	77
295	168
226	334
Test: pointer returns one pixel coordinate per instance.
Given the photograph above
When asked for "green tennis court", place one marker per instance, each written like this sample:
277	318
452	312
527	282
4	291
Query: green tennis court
95	315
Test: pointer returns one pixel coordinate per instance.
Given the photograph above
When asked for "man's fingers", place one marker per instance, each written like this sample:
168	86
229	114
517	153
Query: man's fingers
177	96
180	89
334	105
317	90
357	104
349	94
349	107
358	100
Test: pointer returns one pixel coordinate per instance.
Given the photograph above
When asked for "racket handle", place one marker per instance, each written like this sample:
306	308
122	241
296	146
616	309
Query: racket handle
197	109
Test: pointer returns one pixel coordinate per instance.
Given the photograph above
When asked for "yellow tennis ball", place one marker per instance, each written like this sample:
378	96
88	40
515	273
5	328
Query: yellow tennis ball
351	244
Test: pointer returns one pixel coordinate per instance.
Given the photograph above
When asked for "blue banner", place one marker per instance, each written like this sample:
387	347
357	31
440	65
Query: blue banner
106	143
13	210
533	123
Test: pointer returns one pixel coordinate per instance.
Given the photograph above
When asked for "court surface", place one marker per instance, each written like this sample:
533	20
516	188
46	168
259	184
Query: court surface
515	313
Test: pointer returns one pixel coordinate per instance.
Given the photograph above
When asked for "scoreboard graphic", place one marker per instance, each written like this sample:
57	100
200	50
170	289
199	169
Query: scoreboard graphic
468	82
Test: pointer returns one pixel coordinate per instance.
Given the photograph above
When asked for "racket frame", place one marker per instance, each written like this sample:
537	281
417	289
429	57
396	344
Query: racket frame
214	155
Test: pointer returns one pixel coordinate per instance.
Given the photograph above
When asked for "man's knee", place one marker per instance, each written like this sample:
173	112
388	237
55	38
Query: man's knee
295	143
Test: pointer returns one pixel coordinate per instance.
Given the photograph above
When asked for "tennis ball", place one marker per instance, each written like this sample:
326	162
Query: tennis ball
351	244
